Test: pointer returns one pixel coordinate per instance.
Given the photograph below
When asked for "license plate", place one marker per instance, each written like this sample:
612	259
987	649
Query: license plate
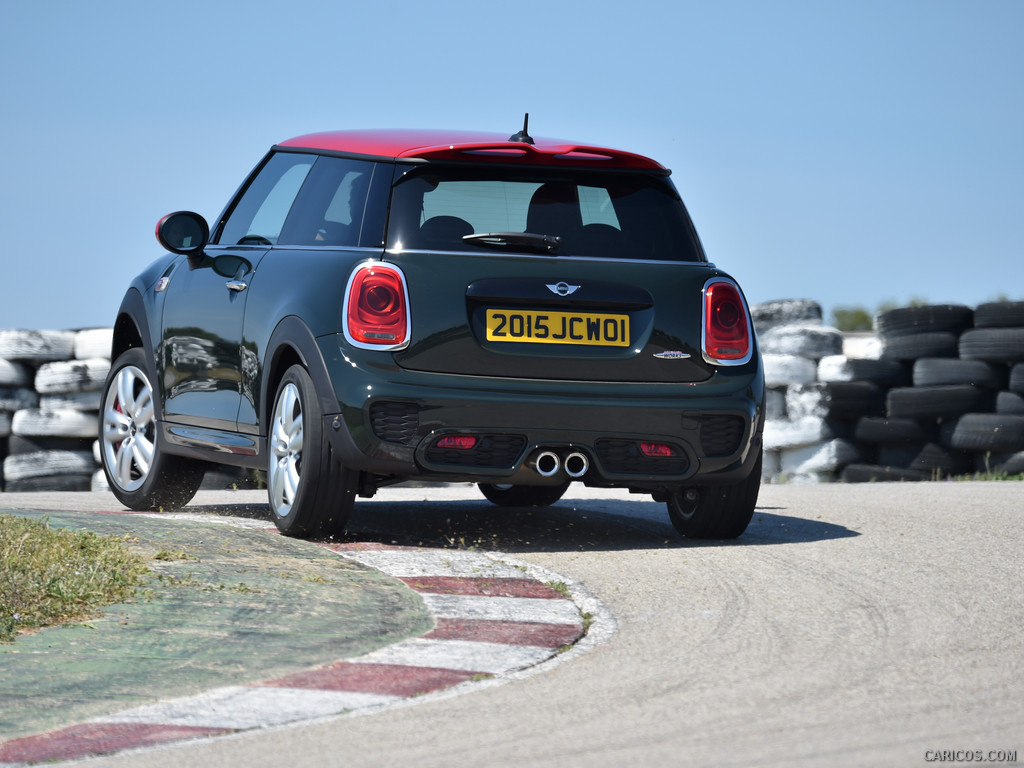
588	328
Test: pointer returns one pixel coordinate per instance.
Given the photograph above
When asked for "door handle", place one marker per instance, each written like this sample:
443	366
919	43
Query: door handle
236	285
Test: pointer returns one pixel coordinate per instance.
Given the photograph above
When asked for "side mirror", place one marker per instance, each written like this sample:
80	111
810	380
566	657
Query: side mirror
183	232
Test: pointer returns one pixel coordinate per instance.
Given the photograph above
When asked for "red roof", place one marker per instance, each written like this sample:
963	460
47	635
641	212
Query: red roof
463	145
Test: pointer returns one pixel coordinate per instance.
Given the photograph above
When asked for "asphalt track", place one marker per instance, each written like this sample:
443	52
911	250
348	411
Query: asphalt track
879	624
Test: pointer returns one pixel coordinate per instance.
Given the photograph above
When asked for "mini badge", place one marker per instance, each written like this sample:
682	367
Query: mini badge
672	355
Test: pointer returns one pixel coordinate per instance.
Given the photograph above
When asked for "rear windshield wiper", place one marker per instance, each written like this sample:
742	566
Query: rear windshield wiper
513	240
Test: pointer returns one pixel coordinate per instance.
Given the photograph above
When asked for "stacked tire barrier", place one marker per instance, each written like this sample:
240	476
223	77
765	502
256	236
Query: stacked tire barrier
937	392
51	384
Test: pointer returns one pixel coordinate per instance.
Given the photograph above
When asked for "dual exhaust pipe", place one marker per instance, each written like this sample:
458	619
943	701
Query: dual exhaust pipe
547	463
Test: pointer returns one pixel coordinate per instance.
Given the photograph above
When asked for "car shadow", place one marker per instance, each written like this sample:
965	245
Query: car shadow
571	525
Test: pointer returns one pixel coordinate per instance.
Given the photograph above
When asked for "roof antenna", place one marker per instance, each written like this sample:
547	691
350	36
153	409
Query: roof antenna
523	137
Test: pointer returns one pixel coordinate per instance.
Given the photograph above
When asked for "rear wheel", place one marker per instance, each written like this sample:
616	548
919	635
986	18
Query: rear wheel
715	512
310	491
140	473
524	495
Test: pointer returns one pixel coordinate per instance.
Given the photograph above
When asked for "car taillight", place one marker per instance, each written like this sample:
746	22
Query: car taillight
377	307
727	334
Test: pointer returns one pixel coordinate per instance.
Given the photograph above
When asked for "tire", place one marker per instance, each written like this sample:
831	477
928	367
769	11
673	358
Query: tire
937	402
93	342
311	493
19	444
952	318
997	432
810	341
1017	378
839	368
914	346
71	376
943	371
1000	314
782	370
33	422
715	511
523	495
869	473
37	346
47	464
63	483
17	399
14	374
930	457
785	312
886	431
141	475
997	345
1010	402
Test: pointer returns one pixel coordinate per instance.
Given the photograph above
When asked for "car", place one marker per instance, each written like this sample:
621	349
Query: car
378	307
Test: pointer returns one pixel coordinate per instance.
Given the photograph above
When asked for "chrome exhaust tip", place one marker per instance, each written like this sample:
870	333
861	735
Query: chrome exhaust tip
576	464
546	463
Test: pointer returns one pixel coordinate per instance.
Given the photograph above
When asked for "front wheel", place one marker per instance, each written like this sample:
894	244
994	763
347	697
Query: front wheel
140	473
310	491
523	495
715	512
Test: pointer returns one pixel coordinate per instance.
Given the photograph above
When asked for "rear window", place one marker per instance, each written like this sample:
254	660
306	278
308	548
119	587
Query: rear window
604	215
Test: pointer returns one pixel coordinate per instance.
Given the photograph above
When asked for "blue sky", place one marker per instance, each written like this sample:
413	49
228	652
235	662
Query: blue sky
849	152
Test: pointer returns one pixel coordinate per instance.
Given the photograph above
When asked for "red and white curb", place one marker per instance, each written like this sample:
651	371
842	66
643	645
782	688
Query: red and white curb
495	620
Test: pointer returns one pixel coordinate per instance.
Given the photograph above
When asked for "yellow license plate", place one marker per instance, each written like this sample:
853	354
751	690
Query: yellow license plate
589	328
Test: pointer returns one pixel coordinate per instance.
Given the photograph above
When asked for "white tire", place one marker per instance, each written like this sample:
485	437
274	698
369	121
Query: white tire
94	342
14	374
72	376
791	433
37	346
65	423
72	401
47	464
813	341
783	370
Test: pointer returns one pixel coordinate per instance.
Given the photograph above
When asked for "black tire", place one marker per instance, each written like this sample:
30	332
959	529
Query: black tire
715	511
918	345
930	457
997	345
869	473
1010	402
524	495
311	493
903	321
887	373
935	372
141	474
19	444
936	402
73	482
1017	378
997	432
886	431
1000	314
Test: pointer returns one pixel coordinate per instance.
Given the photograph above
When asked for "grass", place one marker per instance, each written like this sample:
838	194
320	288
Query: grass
50	576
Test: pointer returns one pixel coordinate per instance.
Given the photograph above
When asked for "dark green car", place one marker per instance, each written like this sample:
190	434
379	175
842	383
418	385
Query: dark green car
381	306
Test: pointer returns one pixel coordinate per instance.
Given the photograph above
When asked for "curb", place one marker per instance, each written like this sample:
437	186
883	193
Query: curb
493	619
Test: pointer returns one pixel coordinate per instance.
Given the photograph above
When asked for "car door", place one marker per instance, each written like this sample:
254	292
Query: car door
204	307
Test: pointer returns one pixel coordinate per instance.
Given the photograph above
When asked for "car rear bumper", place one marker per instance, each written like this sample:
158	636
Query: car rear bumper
389	422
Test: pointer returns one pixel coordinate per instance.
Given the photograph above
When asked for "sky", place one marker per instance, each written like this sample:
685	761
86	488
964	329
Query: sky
855	153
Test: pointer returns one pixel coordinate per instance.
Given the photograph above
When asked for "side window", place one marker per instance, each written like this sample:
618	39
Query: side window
259	215
329	209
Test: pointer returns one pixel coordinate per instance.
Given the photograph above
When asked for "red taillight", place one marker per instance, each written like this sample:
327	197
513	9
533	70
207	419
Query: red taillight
726	324
657	450
458	442
376	311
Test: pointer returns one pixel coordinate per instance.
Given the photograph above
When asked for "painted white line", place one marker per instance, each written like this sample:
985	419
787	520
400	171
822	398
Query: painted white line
464	655
242	707
528	609
404	563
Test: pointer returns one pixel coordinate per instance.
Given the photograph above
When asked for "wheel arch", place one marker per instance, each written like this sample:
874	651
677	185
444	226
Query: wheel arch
293	343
